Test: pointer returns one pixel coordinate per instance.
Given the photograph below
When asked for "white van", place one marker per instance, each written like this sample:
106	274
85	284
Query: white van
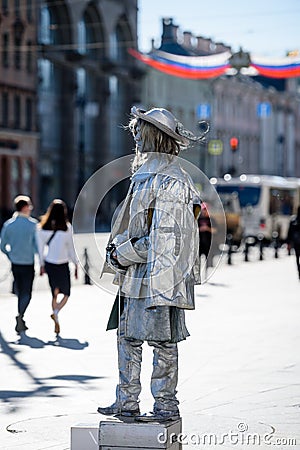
267	202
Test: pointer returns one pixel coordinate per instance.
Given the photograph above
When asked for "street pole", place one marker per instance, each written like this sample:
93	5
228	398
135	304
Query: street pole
81	143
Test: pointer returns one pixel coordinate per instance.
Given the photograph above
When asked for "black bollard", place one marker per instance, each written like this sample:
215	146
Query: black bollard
260	238
275	236
229	252
246	259
87	279
249	241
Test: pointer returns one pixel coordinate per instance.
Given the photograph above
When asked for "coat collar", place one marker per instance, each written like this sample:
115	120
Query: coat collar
165	165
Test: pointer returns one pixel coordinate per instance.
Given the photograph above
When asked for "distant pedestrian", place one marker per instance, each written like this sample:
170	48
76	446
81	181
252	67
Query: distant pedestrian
56	250
293	239
18	242
206	229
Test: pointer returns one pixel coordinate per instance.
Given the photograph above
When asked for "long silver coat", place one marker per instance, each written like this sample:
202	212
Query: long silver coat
157	240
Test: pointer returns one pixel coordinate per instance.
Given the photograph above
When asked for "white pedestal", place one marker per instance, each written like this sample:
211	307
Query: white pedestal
115	434
85	437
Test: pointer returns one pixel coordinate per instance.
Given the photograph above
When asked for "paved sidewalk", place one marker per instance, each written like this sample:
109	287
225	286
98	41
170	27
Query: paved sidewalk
240	367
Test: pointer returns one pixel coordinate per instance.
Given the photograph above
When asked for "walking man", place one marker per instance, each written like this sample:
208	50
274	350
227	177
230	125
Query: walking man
293	238
154	250
18	242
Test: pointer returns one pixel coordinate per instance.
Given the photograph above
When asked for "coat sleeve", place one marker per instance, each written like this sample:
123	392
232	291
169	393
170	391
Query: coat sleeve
133	252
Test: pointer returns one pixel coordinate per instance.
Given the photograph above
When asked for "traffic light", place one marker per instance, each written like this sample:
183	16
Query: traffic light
234	144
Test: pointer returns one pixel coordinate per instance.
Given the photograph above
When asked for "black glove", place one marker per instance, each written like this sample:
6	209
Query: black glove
111	261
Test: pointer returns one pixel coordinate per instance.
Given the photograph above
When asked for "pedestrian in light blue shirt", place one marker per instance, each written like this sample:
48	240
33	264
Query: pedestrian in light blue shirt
18	242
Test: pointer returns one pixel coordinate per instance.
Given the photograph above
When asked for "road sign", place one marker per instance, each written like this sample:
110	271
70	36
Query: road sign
215	147
264	109
203	111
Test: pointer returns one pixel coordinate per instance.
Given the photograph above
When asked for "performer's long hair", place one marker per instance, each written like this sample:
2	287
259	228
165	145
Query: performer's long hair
153	140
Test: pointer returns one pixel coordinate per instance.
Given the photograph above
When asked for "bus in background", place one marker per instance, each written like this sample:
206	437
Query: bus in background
266	203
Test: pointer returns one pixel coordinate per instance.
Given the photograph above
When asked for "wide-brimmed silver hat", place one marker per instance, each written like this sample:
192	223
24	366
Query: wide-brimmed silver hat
165	121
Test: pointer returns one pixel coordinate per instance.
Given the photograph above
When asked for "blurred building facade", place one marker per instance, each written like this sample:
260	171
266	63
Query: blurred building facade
67	84
87	84
262	113
19	137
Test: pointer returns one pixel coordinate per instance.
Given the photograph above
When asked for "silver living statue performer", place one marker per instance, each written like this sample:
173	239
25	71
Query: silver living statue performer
153	250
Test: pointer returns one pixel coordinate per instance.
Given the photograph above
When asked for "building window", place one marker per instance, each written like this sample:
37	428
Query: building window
27	176
17	58
15	177
5	7
113	46
82	37
29	57
17	111
5	39
46	74
49	30
18	28
17	8
5	110
28	114
29	10
81	82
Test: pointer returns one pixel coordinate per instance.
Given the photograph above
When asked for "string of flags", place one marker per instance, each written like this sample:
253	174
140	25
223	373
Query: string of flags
288	67
203	67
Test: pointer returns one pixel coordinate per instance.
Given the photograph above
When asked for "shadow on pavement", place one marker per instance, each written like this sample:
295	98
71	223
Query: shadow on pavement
7	396
223	285
40	386
32	342
82	379
5	347
73	344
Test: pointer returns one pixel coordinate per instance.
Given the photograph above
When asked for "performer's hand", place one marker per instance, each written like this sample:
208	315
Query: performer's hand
112	258
42	270
114	255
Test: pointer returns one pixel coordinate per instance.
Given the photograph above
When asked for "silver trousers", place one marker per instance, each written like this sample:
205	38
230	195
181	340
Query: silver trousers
164	375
